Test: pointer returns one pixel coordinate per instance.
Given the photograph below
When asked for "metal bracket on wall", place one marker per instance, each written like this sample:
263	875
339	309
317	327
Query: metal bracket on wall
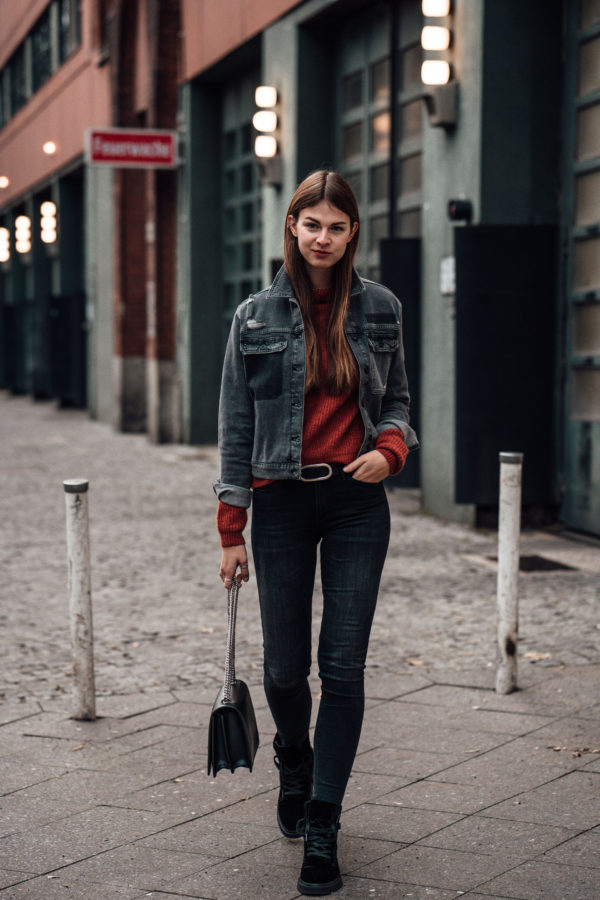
441	101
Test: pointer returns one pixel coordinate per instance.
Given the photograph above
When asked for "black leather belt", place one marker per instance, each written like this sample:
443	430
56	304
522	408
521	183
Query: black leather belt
320	471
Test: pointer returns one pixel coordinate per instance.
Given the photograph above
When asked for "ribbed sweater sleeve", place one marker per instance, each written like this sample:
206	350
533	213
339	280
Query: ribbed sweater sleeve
391	444
231	521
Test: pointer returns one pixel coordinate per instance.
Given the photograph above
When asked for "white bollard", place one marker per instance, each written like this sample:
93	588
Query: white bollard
80	598
509	529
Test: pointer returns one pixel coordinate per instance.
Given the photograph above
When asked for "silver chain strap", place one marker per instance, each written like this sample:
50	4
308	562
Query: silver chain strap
232	603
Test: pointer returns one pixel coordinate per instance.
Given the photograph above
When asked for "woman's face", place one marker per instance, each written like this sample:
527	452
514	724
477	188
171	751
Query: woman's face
323	232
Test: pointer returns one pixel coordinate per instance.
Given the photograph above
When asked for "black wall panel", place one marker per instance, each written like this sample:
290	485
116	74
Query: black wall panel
505	358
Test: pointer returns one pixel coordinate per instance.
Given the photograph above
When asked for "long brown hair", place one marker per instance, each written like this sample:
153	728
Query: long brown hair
342	374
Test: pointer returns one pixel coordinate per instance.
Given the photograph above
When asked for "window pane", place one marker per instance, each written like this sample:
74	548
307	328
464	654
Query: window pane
586	260
411	117
230	221
378	229
18	80
380	81
380	132
247	138
587	194
230	183
589	67
352	142
355	180
411	67
410	174
380	182
70	27
590	13
352	91
229	144
409	223
41	58
247	217
247	177
588	132
247	256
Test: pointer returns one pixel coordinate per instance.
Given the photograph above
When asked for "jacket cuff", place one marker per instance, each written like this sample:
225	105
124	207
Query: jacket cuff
233	494
231	521
392	446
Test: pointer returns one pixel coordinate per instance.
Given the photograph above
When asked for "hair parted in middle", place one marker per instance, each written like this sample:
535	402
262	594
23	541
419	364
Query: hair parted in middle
332	187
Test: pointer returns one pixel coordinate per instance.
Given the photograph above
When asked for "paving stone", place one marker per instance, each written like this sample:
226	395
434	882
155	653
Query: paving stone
240	879
140	867
536	879
572	732
478	834
384	730
429	867
212	835
583	850
387	685
394	823
515	767
15	774
8	877
60	886
409	764
258	810
572	801
14	712
443	797
58	755
366	888
51	846
363	786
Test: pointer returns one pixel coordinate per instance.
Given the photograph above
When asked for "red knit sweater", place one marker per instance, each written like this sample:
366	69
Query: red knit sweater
332	431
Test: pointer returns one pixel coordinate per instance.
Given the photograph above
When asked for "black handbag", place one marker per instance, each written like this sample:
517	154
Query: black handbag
232	730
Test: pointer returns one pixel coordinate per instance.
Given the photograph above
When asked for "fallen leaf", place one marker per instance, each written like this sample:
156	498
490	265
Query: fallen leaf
416	662
81	746
534	655
205	630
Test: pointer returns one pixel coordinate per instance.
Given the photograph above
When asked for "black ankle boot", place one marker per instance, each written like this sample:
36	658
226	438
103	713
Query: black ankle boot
320	870
295	766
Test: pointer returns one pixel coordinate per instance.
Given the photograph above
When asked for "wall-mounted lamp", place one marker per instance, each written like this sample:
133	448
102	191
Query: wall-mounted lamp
266	147
440	91
4	181
49	148
4	245
436	8
48	222
22	234
460	211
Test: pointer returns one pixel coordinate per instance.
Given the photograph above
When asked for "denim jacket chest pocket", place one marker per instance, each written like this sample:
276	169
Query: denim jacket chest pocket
264	362
383	343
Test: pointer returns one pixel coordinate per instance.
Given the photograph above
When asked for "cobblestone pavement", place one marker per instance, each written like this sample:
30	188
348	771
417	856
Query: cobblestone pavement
456	790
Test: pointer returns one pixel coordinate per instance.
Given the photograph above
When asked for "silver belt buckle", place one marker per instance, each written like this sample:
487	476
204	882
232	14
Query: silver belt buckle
317	466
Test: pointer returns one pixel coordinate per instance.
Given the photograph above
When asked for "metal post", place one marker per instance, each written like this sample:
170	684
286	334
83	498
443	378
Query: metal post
80	598
509	528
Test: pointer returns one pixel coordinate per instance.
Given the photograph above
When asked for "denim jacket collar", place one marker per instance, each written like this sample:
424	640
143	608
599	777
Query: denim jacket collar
282	286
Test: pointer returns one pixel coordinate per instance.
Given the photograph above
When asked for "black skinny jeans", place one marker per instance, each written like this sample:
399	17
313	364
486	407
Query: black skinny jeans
350	520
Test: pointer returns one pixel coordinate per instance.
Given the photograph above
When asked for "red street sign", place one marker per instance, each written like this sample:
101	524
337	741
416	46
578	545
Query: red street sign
137	148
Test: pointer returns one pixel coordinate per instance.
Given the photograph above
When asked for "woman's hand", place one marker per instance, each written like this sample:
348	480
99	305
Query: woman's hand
231	558
372	467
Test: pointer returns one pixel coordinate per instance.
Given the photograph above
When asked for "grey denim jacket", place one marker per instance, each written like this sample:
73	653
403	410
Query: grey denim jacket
262	392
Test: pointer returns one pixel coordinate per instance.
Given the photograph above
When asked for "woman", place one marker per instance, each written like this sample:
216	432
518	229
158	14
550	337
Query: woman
313	417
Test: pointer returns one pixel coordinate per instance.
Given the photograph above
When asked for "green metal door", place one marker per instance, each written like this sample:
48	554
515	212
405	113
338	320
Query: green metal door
581	508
